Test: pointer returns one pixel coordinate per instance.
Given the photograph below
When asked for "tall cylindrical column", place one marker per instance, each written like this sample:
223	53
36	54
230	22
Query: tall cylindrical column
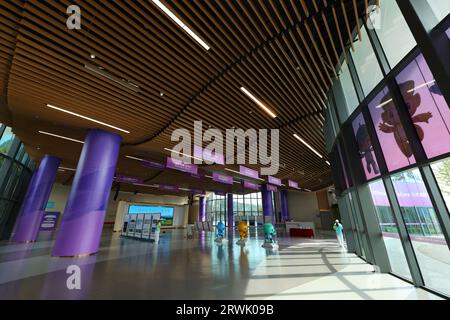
284	206
267	203
28	223
230	211
82	222
201	209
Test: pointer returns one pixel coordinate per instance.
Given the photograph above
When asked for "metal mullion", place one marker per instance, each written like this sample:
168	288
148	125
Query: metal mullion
2	129
405	240
437	200
355	78
378	50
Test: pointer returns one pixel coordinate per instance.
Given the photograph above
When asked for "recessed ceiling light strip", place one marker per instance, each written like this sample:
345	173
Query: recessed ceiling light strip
181	24
309	146
259	103
183	154
87	118
61	137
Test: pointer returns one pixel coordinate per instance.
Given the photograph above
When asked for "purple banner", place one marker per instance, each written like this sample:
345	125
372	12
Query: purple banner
274	181
250	185
197	176
208	155
448	33
222	178
293	184
126	179
49	221
153	164
272	188
181	166
248	172
166	187
220	193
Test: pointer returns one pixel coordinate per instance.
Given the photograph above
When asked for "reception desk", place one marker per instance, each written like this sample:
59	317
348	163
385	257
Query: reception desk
301	229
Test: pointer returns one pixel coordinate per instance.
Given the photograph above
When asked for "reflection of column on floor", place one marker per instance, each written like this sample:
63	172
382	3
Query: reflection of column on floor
60	285
20	256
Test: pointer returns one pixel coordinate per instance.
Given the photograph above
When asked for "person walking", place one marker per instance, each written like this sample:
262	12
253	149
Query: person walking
339	233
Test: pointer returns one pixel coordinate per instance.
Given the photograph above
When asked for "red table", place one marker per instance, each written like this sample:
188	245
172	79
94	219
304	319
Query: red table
302	233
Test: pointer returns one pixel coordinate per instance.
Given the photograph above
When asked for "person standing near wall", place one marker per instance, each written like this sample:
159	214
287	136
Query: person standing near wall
339	233
157	231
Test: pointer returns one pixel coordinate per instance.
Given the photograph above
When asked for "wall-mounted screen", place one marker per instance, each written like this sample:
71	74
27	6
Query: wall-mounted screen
391	135
166	212
427	107
365	148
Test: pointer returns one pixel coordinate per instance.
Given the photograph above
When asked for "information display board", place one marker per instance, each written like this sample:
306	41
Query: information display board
49	221
156	217
147	227
126	221
139	225
131	225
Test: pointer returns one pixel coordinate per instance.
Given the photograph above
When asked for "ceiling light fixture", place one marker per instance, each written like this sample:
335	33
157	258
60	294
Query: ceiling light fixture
234	171
61	137
93	56
102	72
328	163
183	154
306	144
181	24
259	103
68	169
383	104
421	86
87	118
134	158
307	190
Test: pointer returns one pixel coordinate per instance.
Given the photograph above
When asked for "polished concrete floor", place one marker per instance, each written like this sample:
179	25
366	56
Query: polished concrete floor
199	268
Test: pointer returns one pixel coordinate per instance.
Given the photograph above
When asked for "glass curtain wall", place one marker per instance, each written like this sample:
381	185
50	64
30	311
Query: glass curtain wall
401	127
16	169
245	207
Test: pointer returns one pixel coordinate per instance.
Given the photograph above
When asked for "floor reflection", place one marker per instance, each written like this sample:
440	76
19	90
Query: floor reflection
199	268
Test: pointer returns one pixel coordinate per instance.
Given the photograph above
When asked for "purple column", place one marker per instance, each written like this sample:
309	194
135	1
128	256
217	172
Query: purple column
82	222
202	209
230	213
267	203
284	206
27	225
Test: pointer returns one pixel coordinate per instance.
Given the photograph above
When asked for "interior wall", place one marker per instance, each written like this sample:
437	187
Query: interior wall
60	194
303	206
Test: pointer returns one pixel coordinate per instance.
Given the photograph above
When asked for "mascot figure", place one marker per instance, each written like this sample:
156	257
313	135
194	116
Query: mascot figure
220	232
243	232
269	232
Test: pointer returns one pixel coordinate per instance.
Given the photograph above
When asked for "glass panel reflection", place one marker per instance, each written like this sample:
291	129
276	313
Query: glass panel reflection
427	107
389	230
430	247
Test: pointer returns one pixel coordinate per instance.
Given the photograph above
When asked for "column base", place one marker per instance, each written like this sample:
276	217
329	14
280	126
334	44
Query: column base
78	256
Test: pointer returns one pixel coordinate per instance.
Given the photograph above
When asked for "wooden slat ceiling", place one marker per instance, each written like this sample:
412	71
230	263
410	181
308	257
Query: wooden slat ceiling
283	51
